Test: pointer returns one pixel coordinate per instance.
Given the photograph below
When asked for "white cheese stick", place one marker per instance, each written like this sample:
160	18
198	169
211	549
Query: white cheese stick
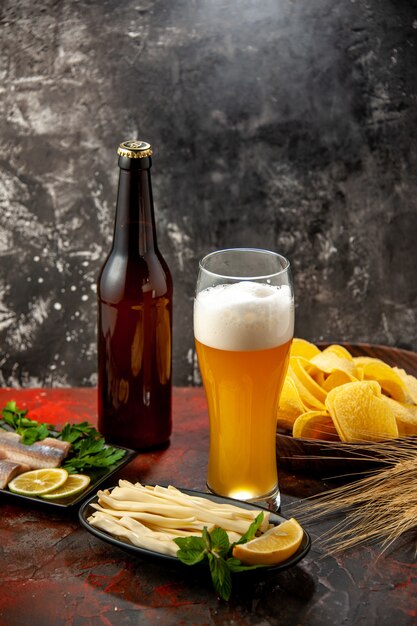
149	518
124	501
137	493
175	495
203	509
141	540
160	534
160	517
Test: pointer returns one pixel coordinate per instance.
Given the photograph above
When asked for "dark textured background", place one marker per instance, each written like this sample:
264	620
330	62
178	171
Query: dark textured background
283	124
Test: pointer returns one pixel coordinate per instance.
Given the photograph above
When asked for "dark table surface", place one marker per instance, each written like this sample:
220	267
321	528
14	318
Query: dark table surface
53	572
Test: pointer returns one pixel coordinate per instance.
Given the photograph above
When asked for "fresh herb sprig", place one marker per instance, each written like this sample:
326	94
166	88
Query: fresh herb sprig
89	450
214	547
29	430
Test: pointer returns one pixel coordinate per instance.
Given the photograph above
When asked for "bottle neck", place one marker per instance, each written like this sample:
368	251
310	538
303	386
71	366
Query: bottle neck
135	231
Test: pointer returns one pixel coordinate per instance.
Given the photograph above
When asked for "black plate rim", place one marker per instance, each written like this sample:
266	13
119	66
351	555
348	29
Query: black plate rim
129	456
275	518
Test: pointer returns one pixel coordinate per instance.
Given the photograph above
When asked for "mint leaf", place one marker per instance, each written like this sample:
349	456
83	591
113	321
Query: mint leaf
214	546
237	566
206	538
190	543
220	575
252	530
220	541
192	550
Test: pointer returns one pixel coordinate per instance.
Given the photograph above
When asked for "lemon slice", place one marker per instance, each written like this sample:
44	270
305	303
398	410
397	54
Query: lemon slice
273	547
39	481
74	484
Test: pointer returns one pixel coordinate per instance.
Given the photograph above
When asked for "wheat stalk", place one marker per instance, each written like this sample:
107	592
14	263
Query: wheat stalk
380	507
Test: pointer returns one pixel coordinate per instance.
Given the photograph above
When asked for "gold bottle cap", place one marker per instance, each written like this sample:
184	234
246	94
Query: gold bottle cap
135	149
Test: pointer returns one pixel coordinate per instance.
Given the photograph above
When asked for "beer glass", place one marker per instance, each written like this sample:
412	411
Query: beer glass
243	329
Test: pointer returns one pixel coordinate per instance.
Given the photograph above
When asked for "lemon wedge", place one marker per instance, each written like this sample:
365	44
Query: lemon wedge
273	547
39	481
74	484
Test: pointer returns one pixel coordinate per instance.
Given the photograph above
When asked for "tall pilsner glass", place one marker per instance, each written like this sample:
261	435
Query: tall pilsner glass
243	328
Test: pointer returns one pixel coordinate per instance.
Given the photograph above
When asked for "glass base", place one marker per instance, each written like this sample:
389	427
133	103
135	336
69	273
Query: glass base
270	501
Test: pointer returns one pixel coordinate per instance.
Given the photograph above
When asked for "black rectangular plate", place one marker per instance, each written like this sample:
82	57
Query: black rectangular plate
79	497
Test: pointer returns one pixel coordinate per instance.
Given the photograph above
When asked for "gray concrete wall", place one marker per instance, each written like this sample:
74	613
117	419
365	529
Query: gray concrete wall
283	124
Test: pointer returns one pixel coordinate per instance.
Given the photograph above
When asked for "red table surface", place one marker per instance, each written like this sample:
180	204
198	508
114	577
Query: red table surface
53	572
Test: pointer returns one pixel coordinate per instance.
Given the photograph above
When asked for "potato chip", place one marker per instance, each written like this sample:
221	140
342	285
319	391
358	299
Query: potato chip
365	360
305	372
410	383
360	362
339	351
391	383
360	413
301	347
337	378
328	361
405	416
311	394
360	398
290	405
315	425
317	375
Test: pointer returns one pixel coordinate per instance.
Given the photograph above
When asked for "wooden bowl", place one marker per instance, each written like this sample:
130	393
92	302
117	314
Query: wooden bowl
330	459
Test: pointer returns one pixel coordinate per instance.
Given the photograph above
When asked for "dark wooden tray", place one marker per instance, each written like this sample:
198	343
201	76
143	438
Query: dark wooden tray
328	459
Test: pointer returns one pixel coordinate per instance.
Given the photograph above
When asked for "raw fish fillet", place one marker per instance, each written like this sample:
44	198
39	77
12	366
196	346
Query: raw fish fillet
46	453
10	469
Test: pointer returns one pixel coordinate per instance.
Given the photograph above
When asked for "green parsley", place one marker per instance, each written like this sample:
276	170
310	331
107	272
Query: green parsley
29	430
215	548
89	451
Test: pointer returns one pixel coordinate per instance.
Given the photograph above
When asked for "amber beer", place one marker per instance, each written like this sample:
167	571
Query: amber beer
135	316
243	333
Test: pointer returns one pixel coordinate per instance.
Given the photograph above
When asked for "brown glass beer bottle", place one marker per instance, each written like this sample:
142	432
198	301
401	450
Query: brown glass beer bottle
134	316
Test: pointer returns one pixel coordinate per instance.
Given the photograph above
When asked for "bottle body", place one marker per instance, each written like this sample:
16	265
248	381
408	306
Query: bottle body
135	324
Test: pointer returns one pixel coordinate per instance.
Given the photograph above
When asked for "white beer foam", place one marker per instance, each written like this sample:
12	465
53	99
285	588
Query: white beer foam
244	316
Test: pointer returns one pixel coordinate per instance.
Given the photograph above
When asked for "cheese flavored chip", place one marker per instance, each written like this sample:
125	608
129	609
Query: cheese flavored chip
361	362
311	394
329	392
410	383
391	383
328	361
360	413
318	376
315	425
290	405
339	351
337	378
405	416
303	348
